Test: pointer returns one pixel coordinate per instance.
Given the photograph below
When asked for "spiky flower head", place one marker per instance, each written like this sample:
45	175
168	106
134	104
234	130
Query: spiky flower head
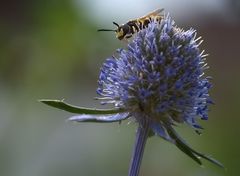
159	77
159	81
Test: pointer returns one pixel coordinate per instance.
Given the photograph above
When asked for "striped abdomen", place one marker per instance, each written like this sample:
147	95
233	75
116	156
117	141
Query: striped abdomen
139	24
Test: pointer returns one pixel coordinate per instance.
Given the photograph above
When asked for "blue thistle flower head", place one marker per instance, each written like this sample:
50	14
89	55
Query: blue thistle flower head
159	77
159	81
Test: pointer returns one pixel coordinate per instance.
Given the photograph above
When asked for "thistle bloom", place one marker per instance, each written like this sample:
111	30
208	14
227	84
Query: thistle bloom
157	81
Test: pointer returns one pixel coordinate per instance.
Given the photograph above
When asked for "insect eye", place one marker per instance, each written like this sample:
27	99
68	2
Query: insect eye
125	29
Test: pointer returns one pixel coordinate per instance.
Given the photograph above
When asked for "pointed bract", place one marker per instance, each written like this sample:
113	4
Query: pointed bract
99	118
60	104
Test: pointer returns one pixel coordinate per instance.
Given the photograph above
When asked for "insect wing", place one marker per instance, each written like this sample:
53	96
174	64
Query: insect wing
154	13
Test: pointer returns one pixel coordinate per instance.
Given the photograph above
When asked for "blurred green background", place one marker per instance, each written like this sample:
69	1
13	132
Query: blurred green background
50	49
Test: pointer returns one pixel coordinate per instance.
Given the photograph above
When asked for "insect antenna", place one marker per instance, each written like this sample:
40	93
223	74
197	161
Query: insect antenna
99	30
116	24
114	30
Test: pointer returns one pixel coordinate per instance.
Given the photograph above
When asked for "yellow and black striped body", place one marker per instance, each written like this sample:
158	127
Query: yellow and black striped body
127	30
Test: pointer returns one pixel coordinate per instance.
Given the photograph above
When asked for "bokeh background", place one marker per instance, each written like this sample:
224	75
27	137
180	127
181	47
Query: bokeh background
50	49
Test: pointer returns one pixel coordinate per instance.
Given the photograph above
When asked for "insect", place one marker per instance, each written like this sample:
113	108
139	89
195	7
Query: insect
127	30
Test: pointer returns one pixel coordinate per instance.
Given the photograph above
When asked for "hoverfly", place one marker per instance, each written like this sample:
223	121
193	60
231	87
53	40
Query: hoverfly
127	30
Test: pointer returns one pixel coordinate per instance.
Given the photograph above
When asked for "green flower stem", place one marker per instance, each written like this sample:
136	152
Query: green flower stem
141	139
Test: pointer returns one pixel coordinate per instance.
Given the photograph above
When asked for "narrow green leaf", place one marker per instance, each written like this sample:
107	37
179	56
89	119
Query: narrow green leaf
181	144
212	160
60	104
